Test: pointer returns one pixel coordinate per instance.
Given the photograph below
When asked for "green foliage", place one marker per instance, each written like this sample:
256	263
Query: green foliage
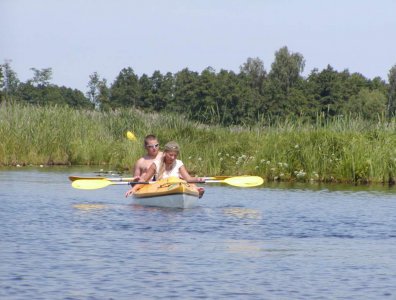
255	73
392	91
247	98
74	98
1	85
10	81
370	105
41	77
325	87
52	95
38	91
286	70
93	88
340	149
156	92
125	89
186	84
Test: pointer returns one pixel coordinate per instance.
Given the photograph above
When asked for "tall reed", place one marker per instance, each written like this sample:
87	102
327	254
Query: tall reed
342	149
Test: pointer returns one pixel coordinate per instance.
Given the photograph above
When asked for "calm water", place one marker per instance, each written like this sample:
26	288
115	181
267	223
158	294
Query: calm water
267	243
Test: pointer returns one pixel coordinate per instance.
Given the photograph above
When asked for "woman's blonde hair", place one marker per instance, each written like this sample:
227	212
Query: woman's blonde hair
169	147
172	146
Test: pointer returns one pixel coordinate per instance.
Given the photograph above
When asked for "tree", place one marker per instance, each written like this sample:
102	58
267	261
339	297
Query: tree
368	104
158	101
125	90
1	84
203	103
10	82
167	90
286	69
377	83
186	84
104	95
326	90
75	98
285	75
41	77
93	89
225	98
352	85
52	95
254	70
146	95
98	92
391	107
156	92
41	95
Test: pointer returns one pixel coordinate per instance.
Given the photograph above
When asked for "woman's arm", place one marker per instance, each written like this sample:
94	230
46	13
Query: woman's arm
150	173
187	177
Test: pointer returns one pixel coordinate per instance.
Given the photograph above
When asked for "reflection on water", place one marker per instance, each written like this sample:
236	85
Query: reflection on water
275	242
89	206
243	246
242	213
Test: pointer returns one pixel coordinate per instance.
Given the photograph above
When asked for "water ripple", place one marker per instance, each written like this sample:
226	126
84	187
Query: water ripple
268	243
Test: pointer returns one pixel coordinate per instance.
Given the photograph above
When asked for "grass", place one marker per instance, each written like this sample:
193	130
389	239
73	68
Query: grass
338	150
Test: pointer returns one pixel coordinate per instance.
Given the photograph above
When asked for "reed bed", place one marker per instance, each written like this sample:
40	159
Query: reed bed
338	150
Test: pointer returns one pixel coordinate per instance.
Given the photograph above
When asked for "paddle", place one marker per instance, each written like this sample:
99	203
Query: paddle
221	177
239	181
74	178
94	184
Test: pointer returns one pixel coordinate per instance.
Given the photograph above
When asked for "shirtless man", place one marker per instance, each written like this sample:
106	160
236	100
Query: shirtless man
151	145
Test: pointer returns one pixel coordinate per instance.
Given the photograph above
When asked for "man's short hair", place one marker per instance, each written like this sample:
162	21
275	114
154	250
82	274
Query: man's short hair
148	138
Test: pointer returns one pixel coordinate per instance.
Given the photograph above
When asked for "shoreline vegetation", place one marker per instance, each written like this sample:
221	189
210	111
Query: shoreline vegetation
340	150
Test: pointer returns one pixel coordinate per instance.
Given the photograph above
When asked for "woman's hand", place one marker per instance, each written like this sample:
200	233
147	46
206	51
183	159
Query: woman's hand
130	192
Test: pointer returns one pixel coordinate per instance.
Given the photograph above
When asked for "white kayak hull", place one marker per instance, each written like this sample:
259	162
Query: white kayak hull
170	192
171	201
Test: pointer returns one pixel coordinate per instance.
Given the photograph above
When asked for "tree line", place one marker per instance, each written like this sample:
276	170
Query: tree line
225	97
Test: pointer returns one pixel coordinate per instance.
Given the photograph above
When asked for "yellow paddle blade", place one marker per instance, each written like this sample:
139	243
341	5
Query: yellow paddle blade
244	181
90	184
131	136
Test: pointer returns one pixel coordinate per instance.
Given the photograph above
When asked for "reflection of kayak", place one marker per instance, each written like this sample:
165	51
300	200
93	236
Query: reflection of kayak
170	192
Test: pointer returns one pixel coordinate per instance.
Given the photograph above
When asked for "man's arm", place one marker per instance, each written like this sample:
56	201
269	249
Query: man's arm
137	170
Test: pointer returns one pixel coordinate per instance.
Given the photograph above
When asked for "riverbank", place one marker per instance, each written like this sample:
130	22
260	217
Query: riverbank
337	150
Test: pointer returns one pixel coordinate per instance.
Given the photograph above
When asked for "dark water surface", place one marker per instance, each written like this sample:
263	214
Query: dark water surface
274	242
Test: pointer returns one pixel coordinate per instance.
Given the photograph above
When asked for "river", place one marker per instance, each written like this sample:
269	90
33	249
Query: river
272	242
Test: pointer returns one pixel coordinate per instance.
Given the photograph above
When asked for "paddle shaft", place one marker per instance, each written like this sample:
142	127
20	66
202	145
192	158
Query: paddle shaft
73	178
239	181
129	182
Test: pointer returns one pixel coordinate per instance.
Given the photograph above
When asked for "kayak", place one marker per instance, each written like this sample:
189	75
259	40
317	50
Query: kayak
171	192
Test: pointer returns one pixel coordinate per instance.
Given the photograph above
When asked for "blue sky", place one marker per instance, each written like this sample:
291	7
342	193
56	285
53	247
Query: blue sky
78	37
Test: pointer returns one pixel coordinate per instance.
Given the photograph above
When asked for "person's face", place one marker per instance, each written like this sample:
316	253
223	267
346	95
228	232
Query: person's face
170	156
152	147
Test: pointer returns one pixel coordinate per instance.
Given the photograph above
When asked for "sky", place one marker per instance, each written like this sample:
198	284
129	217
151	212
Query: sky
79	37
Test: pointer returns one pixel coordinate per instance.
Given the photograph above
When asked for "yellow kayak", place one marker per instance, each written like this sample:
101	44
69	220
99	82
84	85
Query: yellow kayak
170	192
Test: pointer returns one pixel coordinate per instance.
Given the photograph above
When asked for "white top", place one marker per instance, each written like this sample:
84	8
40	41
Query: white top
175	172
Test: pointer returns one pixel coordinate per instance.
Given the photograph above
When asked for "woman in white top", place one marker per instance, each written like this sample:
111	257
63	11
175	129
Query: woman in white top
168	166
